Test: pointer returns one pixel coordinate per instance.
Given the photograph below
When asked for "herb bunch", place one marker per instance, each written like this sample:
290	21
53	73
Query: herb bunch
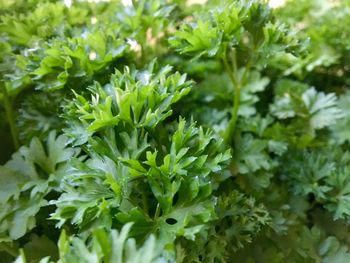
165	131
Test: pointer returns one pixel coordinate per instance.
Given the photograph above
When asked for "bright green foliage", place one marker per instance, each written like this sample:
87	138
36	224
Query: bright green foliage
248	27
44	22
125	175
241	35
324	24
165	131
138	99
76	58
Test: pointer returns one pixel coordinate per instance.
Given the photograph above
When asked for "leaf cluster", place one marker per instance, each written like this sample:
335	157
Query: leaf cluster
167	131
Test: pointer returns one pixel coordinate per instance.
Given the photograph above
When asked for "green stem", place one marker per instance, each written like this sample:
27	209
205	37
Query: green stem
145	202
156	214
232	124
237	83
10	116
230	71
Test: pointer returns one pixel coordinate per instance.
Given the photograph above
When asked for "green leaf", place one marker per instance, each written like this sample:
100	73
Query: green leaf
322	108
105	246
252	155
31	174
136	98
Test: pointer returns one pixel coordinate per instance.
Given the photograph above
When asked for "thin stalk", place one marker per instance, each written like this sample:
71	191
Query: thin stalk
232	123
145	202
237	83
230	71
234	60
10	116
157	213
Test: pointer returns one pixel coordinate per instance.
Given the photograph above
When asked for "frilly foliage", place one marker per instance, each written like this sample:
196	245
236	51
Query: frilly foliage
164	131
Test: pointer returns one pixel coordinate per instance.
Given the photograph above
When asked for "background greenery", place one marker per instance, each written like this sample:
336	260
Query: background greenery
163	131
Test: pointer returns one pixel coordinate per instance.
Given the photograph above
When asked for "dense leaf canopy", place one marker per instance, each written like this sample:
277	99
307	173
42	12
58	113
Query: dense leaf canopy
169	131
